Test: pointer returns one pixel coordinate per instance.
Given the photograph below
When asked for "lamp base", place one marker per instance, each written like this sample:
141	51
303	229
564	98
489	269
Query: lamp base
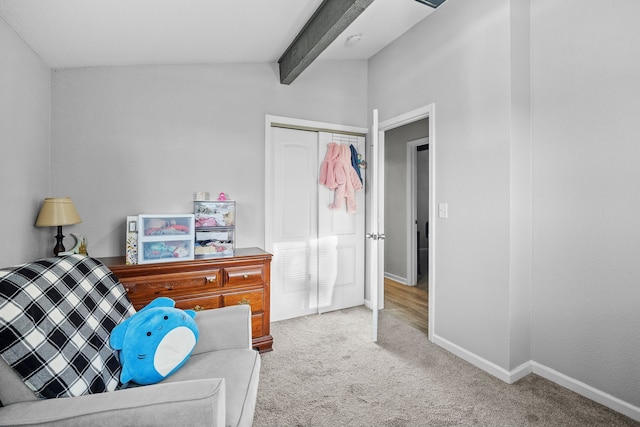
59	246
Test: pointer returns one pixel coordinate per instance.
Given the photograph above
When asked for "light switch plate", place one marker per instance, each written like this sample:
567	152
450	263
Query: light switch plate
443	210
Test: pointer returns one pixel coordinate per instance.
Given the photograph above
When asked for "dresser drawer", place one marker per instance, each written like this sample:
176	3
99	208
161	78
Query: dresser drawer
198	303
254	298
170	284
242	276
185	302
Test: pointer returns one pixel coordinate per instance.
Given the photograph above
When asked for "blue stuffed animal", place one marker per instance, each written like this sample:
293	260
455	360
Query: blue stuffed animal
154	342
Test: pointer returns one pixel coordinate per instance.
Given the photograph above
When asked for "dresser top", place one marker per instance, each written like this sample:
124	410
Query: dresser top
239	254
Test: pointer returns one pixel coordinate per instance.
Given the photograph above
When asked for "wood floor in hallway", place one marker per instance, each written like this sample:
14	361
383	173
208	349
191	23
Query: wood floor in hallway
409	303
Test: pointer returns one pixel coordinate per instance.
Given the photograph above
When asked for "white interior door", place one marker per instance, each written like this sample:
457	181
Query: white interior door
340	240
375	236
318	253
294	226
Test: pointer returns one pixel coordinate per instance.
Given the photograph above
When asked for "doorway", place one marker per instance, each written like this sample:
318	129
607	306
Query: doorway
402	298
422	118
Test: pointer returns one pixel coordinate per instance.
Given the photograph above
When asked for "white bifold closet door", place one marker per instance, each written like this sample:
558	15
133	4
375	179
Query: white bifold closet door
318	253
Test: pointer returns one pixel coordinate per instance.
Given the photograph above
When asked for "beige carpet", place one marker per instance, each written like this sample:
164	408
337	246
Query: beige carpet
325	371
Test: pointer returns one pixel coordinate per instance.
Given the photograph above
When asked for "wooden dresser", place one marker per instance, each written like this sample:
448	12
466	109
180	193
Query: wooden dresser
204	284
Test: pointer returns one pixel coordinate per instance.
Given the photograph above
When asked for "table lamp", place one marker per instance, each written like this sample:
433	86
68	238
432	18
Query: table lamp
56	212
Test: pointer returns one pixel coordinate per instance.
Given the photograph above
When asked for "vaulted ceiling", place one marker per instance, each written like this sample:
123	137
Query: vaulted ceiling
84	33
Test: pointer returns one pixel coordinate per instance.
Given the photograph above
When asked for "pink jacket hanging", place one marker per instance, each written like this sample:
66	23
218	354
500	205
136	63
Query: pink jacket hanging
337	173
328	166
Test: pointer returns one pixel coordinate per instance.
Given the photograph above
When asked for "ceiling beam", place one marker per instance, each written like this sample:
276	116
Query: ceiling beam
433	3
329	21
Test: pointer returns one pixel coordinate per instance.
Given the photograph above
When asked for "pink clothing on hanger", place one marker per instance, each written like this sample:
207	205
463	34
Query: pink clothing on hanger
337	173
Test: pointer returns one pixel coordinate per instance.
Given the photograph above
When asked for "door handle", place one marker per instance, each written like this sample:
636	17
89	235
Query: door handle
375	236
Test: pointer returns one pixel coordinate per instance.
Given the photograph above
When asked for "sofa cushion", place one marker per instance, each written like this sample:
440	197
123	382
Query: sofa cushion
56	315
240	368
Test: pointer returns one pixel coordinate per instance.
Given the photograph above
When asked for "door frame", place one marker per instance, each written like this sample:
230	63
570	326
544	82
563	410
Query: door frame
412	209
395	122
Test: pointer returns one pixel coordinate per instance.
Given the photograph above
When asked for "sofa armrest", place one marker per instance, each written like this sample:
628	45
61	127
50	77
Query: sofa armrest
195	402
224	329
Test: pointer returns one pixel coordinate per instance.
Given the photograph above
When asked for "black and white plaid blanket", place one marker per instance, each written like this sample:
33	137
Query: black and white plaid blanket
56	315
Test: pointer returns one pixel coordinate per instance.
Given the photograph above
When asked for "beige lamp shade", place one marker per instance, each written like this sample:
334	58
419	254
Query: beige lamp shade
57	211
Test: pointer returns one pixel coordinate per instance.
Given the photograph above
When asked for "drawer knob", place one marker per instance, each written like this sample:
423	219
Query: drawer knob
198	308
243	301
211	279
246	276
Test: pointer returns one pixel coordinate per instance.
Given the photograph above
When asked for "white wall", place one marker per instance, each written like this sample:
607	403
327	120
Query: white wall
128	140
24	139
586	180
458	58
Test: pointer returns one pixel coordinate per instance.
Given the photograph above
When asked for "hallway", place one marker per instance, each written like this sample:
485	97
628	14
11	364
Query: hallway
407	303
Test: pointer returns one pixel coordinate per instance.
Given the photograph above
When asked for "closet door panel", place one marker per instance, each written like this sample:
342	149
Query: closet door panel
293	273
341	241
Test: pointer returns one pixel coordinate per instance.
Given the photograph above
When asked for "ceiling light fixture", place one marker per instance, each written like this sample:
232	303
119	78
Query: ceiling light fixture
431	3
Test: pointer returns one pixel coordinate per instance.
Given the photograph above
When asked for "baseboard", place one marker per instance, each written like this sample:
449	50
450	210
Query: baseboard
587	391
479	362
529	367
395	278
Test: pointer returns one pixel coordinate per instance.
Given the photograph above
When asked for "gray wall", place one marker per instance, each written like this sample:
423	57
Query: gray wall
128	140
395	183
536	154
24	161
586	179
422	205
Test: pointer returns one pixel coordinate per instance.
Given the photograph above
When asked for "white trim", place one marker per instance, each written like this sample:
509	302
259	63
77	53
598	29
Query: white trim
375	253
431	261
529	367
587	391
474	359
301	123
412	209
406	118
402	280
520	372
